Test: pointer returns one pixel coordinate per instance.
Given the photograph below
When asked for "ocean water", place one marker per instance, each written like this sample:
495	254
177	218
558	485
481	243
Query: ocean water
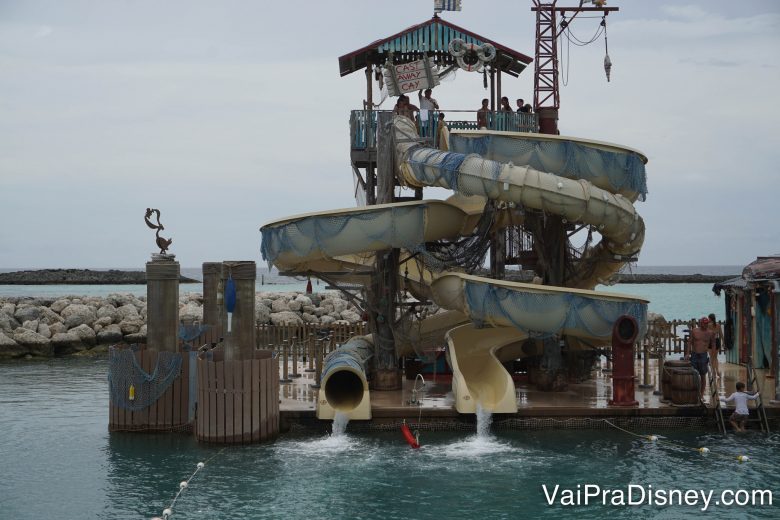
673	301
59	461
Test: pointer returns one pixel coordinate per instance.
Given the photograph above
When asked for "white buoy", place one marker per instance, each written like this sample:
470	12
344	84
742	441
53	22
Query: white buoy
201	465
167	512
703	450
183	484
743	458
652	438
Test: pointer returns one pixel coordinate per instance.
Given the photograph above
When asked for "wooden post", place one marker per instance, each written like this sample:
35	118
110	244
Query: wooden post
320	348
310	344
498	86
383	293
240	342
212	292
295	354
162	300
285	373
492	75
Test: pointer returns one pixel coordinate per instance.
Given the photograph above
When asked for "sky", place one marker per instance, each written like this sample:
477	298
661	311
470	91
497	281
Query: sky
227	115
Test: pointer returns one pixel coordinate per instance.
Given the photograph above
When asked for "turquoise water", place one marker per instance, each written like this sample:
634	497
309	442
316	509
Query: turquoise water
60	462
673	300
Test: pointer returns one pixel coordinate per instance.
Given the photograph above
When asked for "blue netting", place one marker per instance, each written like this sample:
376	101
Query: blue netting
464	174
545	315
354	353
124	372
621	170
385	228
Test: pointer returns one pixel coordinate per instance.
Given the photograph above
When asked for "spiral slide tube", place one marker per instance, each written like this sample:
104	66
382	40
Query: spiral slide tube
503	314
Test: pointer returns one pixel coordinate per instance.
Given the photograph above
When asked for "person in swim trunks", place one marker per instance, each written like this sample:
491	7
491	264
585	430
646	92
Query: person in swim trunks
702	339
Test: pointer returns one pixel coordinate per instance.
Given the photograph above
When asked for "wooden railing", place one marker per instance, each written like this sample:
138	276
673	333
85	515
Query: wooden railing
669	336
304	337
362	124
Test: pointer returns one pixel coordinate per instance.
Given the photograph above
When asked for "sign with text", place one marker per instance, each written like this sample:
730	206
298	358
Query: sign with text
409	77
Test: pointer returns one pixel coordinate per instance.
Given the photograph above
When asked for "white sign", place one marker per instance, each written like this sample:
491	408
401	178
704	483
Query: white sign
410	77
446	5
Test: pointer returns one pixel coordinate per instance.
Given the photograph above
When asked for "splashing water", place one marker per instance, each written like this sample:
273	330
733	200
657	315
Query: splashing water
484	420
340	422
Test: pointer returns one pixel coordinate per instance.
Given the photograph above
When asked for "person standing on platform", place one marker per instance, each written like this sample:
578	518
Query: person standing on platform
520	105
427	106
717	331
442	134
700	343
482	114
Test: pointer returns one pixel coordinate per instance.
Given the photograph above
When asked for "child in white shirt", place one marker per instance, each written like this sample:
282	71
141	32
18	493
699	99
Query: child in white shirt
741	413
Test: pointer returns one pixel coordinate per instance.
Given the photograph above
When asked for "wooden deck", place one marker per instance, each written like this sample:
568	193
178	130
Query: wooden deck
581	400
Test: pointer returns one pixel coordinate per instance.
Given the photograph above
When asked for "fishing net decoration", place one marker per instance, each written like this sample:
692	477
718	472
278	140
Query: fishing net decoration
124	372
395	227
467	254
595	316
622	169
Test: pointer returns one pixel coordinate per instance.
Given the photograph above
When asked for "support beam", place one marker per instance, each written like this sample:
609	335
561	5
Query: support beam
382	298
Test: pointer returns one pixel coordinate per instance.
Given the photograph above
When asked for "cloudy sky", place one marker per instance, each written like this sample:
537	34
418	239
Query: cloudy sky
226	115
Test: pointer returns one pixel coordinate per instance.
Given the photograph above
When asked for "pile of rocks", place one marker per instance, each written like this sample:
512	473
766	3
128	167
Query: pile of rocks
49	327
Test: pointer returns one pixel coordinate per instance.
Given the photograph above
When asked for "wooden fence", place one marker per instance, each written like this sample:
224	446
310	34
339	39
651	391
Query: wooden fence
238	401
668	336
304	337
170	412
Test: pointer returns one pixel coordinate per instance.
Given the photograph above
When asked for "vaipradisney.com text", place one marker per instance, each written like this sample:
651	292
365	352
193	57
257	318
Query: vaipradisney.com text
647	495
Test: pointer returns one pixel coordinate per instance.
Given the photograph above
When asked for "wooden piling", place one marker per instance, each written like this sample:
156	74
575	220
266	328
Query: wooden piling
241	398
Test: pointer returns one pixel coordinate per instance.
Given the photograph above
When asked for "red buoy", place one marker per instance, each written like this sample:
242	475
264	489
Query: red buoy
308	286
409	436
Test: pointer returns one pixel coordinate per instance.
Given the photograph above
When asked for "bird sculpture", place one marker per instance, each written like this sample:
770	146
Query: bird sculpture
162	243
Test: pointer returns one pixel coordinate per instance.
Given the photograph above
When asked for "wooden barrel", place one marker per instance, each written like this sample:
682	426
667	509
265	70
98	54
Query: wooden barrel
685	386
666	378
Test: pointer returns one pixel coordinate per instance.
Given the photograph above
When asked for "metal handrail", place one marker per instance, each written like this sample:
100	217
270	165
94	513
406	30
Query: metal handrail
363	124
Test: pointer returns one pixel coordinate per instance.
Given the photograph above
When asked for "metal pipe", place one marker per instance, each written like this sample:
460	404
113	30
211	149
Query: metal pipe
344	374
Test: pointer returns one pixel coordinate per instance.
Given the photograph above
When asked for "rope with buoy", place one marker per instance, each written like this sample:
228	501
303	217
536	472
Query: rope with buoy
184	484
413	439
703	450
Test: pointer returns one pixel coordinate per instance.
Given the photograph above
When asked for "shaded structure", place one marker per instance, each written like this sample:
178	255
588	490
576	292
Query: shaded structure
752	307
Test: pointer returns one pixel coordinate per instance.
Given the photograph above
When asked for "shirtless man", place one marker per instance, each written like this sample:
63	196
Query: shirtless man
702	339
482	114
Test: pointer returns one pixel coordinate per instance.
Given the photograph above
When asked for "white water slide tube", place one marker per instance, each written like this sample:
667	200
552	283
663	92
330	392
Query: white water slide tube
502	314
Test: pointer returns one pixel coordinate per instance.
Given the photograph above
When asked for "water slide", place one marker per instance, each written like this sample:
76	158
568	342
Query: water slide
484	321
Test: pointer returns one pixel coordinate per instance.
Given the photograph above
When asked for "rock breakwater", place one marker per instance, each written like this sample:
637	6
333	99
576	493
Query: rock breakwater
49	327
78	277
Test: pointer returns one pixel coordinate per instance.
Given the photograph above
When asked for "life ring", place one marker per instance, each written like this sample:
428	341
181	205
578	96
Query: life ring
457	47
472	51
486	52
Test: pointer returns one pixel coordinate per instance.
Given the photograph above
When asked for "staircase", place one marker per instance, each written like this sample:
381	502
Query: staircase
715	399
752	386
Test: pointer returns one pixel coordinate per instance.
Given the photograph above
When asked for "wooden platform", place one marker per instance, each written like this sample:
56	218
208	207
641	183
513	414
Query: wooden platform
581	400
